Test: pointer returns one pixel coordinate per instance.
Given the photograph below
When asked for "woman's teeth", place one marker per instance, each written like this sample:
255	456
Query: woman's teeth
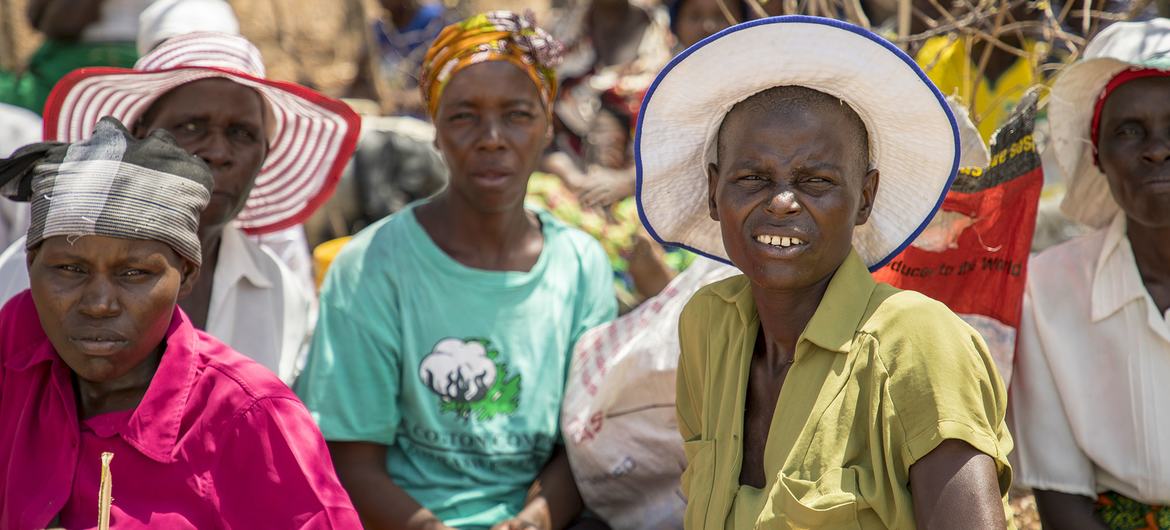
778	241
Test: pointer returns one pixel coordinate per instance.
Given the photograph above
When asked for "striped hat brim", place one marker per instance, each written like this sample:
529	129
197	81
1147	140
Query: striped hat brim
312	138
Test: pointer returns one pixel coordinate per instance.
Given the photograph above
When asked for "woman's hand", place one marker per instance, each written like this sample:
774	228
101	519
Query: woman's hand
553	501
380	502
438	525
602	186
517	523
648	266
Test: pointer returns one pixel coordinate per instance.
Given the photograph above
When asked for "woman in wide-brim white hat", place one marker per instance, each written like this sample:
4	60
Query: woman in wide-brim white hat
914	146
810	396
1096	309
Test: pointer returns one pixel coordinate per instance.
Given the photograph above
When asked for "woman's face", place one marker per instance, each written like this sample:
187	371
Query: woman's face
789	172
1133	148
492	129
221	122
106	303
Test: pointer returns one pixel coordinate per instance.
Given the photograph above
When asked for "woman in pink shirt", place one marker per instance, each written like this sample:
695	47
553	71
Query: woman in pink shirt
97	357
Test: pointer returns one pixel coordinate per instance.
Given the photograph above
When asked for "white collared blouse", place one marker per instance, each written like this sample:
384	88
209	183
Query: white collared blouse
1090	399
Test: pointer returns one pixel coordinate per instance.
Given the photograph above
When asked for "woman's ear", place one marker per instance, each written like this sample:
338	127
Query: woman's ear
190	274
712	184
868	196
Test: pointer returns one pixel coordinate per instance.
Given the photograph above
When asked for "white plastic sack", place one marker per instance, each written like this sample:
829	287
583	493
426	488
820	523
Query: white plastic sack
618	415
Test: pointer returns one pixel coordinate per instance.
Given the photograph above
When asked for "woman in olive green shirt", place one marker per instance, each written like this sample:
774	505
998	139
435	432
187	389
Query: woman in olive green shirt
810	396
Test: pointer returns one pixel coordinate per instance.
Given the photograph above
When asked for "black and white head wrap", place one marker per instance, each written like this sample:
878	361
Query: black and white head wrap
112	185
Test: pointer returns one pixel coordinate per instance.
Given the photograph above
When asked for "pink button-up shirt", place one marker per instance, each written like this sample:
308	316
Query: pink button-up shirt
217	442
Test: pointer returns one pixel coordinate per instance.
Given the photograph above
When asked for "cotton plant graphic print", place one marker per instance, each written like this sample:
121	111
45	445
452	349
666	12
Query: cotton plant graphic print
470	379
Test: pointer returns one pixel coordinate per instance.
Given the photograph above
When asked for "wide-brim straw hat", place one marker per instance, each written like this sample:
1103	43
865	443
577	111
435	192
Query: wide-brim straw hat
913	139
310	141
1074	96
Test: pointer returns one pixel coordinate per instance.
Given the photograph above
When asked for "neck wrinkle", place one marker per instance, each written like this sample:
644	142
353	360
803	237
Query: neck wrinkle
784	315
95	398
490	234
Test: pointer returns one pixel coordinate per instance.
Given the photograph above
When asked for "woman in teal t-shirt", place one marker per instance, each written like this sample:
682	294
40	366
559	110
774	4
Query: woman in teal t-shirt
438	364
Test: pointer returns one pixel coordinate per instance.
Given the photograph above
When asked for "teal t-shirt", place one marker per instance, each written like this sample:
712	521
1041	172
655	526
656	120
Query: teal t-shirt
459	371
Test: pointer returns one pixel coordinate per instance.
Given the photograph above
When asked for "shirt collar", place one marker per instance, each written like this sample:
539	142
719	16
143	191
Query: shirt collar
29	344
236	261
1116	281
153	428
737	291
839	314
837	317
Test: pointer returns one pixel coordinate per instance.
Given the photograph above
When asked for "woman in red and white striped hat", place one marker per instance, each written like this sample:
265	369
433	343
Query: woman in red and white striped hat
276	150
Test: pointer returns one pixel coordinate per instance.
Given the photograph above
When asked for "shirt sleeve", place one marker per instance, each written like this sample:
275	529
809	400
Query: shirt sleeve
1047	456
599	304
352	377
943	385
273	471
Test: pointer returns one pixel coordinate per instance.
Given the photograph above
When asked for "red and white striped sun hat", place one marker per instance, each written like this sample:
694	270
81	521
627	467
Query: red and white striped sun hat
312	138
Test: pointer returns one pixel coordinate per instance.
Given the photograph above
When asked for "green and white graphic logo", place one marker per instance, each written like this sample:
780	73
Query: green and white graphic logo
470	379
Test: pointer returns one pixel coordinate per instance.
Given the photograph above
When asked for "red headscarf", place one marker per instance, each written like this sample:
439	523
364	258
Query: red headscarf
1121	78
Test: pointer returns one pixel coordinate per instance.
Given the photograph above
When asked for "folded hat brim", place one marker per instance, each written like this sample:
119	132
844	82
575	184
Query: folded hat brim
1087	198
913	137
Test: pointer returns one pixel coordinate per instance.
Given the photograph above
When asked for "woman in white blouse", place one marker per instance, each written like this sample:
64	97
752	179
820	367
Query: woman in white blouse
1090	398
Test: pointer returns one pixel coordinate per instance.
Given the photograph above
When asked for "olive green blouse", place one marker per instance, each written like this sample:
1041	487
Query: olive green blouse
880	378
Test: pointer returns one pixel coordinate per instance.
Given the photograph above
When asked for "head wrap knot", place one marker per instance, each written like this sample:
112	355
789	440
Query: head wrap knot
112	185
492	36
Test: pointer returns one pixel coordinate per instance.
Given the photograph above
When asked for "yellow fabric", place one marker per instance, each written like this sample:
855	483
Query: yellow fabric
946	60
880	378
492	36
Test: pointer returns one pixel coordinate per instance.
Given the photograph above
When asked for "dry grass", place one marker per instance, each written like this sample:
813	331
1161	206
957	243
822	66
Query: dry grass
1024	507
313	42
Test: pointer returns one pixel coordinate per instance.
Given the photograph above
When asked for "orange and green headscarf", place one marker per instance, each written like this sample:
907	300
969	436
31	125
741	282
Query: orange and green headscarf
492	36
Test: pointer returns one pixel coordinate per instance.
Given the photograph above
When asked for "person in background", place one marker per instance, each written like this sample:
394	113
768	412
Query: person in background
276	151
694	20
164	19
1089	401
440	357
97	357
589	174
168	18
401	36
18	127
810	396
620	47
78	33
